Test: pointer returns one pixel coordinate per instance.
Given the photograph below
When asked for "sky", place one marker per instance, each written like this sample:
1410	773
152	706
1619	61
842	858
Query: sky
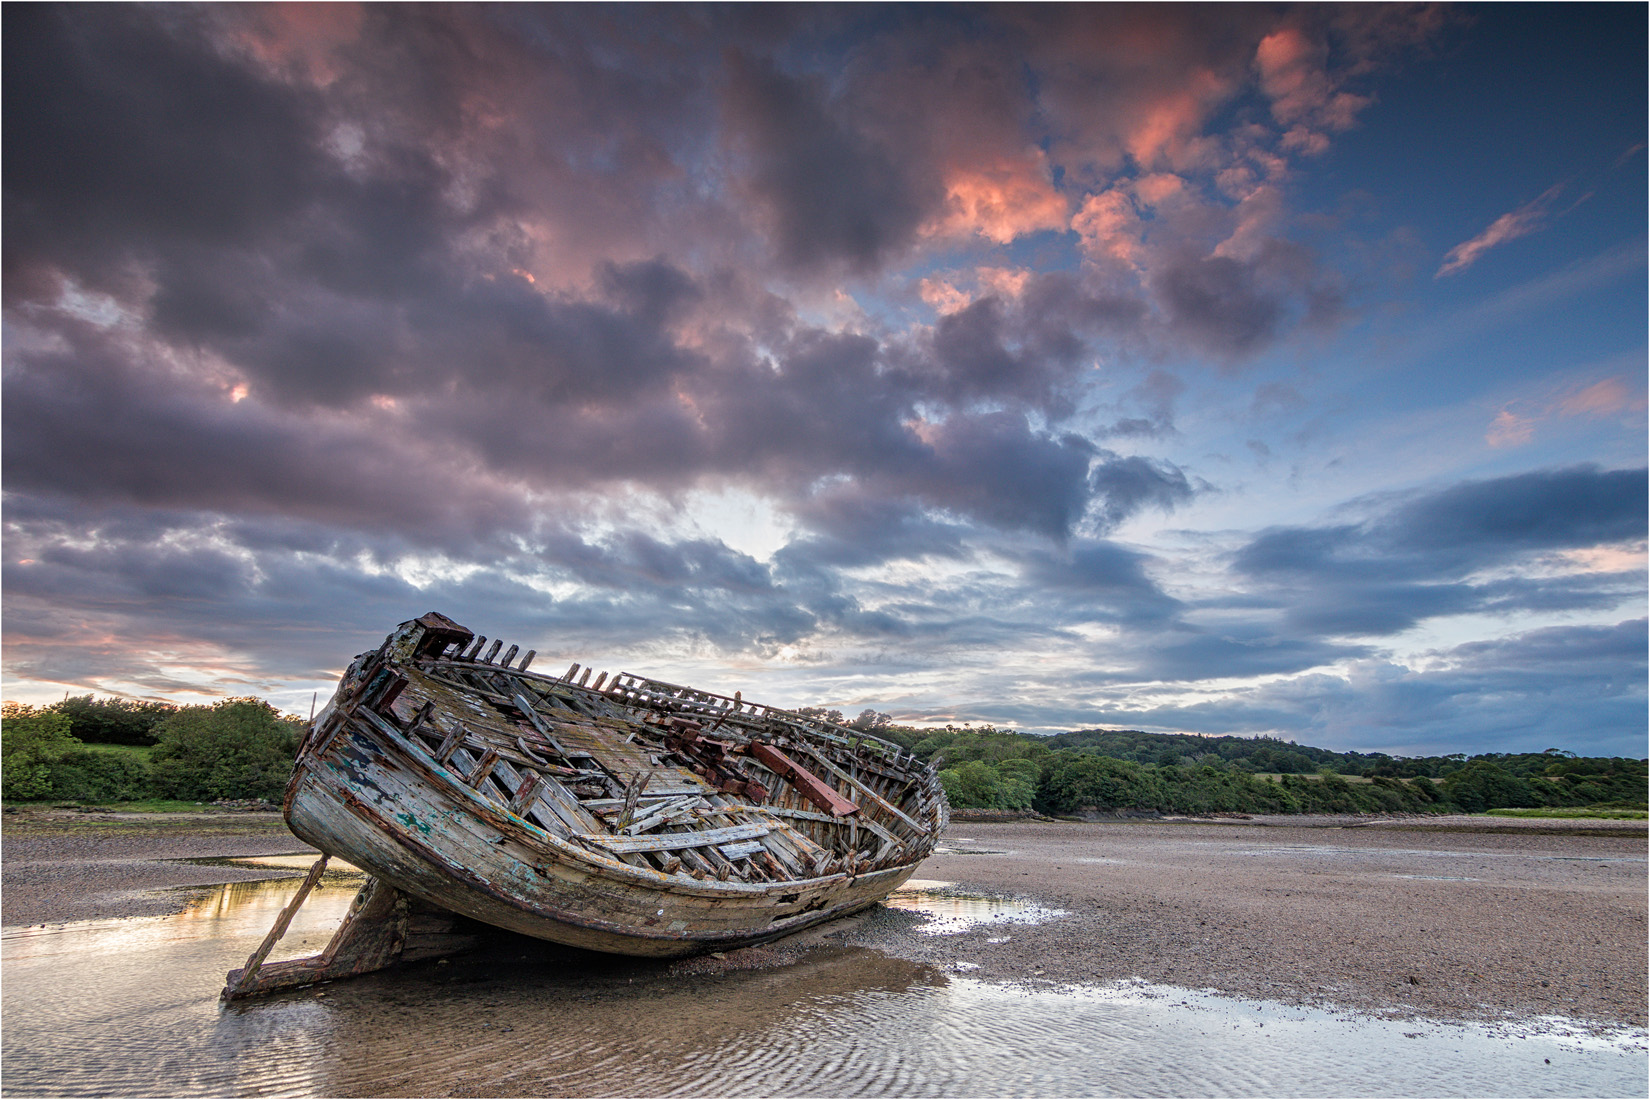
1272	371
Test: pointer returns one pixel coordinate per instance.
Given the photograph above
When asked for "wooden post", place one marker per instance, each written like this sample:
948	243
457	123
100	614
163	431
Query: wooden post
256	959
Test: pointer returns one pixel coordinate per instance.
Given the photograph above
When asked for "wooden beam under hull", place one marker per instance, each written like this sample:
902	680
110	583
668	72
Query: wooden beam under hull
384	927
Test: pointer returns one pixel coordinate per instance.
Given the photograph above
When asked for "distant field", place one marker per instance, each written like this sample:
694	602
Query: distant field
1572	811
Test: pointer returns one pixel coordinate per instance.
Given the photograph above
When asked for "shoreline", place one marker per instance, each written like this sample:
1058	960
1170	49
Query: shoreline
1431	917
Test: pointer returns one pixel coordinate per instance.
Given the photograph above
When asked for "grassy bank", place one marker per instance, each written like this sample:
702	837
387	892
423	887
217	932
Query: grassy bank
1573	811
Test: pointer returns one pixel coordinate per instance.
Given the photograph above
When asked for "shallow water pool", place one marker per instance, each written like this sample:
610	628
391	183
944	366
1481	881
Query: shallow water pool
129	1008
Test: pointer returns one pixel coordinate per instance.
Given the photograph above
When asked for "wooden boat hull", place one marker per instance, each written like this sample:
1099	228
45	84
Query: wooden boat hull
640	818
391	814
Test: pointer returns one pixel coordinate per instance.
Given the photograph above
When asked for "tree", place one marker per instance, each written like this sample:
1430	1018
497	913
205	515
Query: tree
1483	785
31	740
113	721
238	748
1073	780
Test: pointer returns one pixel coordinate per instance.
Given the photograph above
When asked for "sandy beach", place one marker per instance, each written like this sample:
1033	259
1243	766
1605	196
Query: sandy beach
1453	918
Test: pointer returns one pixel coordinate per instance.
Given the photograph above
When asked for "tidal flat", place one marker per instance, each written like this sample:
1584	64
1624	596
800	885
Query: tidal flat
1150	958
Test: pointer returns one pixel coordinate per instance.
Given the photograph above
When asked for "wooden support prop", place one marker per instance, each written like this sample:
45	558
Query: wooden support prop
256	959
374	935
811	787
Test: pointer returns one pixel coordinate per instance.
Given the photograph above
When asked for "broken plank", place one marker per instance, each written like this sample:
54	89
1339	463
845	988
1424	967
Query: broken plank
663	842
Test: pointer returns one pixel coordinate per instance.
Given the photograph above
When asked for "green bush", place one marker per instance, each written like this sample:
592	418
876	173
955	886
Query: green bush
91	776
113	721
978	785
31	740
239	748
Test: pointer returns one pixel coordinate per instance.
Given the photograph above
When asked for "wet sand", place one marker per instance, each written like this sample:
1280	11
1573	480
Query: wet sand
1448	918
65	866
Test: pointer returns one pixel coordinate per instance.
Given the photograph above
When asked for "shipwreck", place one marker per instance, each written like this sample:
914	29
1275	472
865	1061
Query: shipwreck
621	814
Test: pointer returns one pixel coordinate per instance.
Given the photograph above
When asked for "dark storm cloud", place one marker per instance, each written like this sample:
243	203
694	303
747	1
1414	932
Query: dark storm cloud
853	527
1099	581
1127	484
1414	560
1231	307
1540	510
1469	525
835	195
124	128
1031	352
1515	694
1215	300
97	426
321	317
1242	652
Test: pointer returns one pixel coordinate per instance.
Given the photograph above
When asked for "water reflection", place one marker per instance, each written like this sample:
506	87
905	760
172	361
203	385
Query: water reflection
110	1008
950	912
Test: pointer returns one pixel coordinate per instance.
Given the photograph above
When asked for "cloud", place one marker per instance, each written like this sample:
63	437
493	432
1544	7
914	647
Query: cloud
1427	555
317	319
1126	485
1527	219
833	193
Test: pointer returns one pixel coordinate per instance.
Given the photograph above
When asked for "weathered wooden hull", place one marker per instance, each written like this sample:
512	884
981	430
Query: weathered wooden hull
409	822
610	819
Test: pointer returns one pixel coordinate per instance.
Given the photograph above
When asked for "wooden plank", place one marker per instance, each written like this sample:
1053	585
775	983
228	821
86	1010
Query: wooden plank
656	795
820	759
664	842
450	744
809	785
525	793
484	768
660	811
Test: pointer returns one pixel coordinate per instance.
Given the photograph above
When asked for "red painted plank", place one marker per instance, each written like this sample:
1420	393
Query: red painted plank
813	788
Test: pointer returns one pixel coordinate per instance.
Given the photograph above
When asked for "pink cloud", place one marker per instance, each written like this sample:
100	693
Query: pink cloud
1608	397
1110	227
1294	74
1613	395
1508	227
1508	429
1001	201
943	295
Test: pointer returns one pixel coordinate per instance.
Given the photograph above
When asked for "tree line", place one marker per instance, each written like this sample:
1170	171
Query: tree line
238	748
243	748
1111	771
